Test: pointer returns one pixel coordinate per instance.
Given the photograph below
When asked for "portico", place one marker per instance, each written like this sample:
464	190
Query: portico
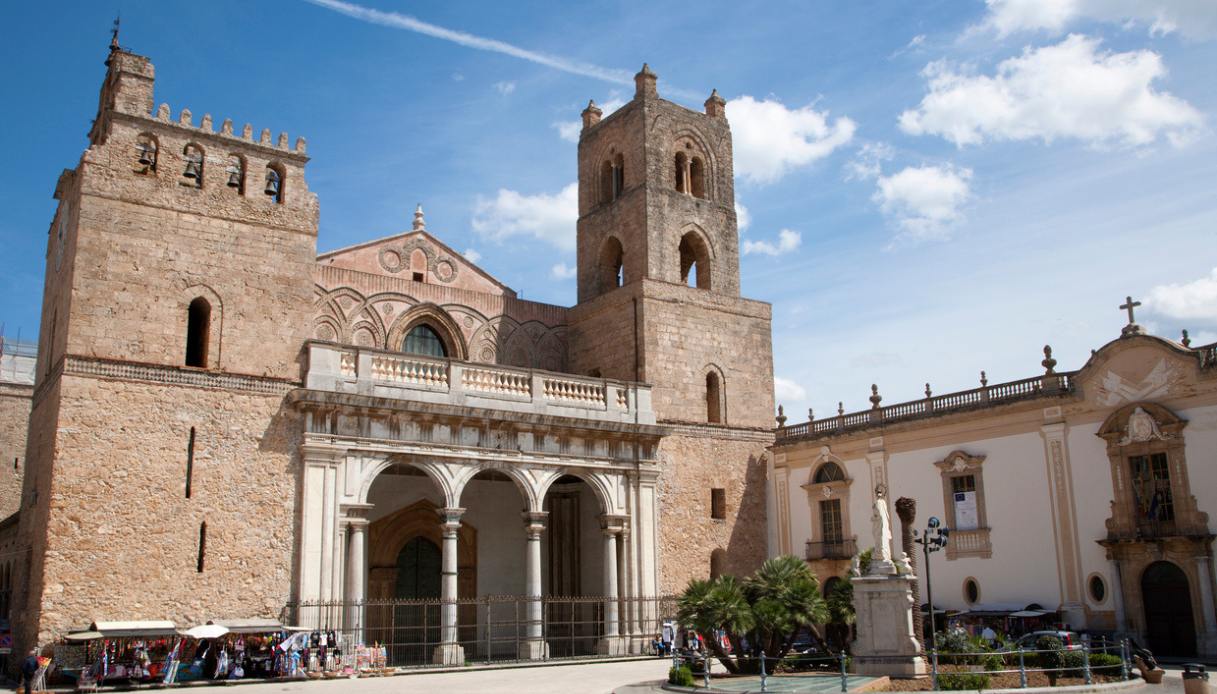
438	452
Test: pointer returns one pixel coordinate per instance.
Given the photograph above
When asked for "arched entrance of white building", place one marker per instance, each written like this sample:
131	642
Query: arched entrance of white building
1168	610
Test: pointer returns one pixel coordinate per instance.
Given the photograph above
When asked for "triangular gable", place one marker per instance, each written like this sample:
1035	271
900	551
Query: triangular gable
415	256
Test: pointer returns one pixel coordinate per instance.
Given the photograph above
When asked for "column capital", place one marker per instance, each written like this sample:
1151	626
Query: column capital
613	524
356	512
450	519
535	523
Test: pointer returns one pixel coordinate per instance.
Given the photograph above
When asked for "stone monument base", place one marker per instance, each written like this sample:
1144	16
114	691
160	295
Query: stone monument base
886	644
534	649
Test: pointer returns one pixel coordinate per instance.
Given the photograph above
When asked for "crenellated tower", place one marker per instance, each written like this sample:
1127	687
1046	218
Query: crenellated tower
176	299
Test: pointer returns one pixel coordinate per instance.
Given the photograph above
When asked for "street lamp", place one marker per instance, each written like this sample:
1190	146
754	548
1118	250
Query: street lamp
933	539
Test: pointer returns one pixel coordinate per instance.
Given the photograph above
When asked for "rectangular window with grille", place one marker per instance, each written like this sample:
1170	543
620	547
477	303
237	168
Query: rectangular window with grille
718	503
830	521
1151	486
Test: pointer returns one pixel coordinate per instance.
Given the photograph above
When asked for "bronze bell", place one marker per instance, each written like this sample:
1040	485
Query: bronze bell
234	177
193	169
147	154
272	183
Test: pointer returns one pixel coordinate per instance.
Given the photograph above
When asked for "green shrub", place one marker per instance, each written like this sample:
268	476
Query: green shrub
1106	663
680	676
957	681
1052	659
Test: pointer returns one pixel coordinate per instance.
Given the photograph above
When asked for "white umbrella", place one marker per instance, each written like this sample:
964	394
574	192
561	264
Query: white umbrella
207	631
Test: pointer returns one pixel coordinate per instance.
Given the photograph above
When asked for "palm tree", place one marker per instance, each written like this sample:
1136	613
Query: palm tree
769	609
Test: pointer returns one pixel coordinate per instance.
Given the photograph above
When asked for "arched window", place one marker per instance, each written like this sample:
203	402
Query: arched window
697	178
146	149
612	264
682	162
422	339
714	398
829	472
193	171
198	332
694	261
717	559
236	173
276	183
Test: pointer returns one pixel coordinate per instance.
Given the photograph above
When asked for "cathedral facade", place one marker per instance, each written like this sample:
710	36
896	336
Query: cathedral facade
225	423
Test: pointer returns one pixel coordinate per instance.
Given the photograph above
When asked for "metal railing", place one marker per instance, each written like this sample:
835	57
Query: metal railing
489	628
831	549
942	665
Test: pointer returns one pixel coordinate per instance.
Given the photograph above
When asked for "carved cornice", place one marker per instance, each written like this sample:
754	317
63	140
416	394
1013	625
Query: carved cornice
174	375
959	461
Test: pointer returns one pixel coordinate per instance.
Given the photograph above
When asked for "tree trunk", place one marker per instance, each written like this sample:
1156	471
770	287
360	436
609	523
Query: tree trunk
906	508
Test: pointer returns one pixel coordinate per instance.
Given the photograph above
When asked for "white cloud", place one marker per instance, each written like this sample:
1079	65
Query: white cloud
788	391
1196	300
743	218
569	129
787	241
396	20
1067	90
867	163
771	140
562	271
924	200
550	218
1196	19
472	255
458	77
505	88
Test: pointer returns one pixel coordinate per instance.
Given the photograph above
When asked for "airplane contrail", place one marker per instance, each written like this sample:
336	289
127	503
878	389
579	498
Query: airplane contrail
396	20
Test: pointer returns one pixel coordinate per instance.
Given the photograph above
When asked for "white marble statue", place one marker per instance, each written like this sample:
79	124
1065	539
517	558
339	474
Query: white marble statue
855	567
881	528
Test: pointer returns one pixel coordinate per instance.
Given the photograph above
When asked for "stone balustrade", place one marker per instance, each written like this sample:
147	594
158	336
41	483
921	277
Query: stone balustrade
383	374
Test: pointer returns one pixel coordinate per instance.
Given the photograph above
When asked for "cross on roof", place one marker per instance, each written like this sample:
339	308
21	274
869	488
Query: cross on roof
1129	305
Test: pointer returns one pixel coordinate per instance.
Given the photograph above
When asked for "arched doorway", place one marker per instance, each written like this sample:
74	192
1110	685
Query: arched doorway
573	574
418	570
1168	610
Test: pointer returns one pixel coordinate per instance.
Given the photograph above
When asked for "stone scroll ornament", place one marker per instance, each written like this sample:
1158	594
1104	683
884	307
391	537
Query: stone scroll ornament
881	528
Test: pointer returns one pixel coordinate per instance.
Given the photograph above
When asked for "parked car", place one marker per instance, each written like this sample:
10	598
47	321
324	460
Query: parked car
1026	642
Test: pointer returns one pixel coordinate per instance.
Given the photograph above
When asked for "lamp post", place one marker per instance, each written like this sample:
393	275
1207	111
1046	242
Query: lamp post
932	540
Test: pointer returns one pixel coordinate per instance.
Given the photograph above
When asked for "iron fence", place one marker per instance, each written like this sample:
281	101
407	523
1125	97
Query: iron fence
490	629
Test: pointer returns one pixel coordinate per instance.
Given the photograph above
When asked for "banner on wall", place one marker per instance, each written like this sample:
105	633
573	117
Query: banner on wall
965	511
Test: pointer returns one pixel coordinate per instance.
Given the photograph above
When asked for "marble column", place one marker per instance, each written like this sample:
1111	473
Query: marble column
610	643
449	651
534	646
356	578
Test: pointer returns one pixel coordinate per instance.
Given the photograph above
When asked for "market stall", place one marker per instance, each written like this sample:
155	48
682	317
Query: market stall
133	652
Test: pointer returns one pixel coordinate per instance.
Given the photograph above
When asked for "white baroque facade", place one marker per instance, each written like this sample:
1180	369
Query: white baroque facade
1089	492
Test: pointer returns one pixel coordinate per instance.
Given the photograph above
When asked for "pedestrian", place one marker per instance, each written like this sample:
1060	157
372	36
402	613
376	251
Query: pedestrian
29	668
988	635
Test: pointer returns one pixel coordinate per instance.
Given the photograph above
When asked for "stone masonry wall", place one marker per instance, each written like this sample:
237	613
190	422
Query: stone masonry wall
14	422
693	461
688	331
121	538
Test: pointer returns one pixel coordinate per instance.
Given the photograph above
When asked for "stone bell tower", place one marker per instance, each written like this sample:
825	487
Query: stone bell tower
659	302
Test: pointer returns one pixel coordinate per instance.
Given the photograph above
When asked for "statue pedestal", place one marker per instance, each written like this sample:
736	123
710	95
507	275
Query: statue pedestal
886	644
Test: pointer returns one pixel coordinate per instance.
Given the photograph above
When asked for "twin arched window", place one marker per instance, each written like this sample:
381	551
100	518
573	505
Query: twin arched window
612	178
423	339
690	175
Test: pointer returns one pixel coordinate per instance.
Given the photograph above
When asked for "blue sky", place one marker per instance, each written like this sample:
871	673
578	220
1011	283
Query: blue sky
932	188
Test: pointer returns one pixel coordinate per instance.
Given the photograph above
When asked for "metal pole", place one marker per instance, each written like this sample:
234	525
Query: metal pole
1124	659
1086	660
934	668
844	677
764	677
929	594
1022	669
705	660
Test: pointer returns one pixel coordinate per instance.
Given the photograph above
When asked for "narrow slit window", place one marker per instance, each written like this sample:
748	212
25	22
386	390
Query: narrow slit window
189	461
202	545
714	401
